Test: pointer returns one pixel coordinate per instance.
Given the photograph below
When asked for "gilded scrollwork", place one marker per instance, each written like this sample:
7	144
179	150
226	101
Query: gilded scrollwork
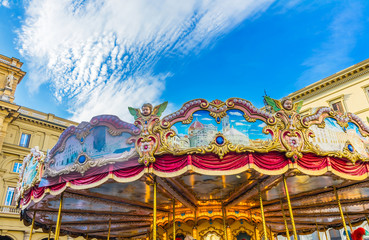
284	130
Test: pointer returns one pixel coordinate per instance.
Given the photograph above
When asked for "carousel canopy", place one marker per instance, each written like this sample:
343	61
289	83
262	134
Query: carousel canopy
211	159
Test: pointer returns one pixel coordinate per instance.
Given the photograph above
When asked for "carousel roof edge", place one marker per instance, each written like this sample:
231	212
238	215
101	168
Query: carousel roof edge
234	133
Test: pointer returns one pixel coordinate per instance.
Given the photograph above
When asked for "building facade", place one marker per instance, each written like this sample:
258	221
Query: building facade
345	91
21	129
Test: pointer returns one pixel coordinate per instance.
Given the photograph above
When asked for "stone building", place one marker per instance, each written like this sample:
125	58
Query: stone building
21	129
345	91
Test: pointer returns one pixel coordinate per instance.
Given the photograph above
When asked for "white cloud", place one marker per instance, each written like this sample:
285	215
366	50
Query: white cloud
99	56
240	124
4	3
207	119
334	53
196	115
261	125
234	113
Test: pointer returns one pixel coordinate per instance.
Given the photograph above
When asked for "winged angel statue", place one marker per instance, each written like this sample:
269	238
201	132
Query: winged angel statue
147	110
285	104
145	119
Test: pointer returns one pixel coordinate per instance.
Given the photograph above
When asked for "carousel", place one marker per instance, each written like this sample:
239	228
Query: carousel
209	171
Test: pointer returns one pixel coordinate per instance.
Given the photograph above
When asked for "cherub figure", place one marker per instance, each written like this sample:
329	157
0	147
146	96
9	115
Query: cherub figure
147	110
146	119
285	104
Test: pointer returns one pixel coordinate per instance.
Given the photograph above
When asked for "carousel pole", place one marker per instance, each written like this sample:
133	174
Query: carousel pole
271	234
154	215
367	220
87	236
349	221
174	219
255	231
262	214
49	233
224	223
285	221
317	230
109	229
341	212
325	233
33	224
290	208
194	229
58	223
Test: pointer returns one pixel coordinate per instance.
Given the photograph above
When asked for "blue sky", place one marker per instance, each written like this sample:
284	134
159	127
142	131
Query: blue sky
85	58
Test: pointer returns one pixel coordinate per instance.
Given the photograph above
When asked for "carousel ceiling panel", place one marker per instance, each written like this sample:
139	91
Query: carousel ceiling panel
90	205
102	227
205	187
301	184
135	192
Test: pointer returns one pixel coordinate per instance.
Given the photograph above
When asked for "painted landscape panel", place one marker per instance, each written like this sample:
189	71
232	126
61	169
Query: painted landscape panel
203	128
98	144
333	137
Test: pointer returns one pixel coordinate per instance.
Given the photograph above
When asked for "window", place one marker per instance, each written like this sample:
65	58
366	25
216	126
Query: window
337	106
24	141
17	167
9	196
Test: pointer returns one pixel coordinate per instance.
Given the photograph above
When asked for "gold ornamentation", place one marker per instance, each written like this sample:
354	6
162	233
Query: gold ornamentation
31	172
211	230
242	229
290	132
217	110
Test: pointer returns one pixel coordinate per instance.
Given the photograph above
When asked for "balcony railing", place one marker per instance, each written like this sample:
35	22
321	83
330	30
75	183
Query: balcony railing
9	209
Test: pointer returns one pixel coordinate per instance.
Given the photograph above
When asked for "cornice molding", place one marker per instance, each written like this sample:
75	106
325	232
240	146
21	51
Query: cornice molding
15	150
334	80
42	123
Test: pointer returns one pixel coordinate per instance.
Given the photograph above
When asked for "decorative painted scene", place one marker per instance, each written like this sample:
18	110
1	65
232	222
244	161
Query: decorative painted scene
203	128
335	138
98	144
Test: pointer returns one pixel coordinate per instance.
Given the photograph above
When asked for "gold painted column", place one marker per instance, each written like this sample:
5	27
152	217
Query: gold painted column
285	221
341	212
194	229
317	230
349	221
33	224
109	229
325	233
262	215
58	223
174	219
290	207
154	215
224	223
270	233
255	232
49	233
